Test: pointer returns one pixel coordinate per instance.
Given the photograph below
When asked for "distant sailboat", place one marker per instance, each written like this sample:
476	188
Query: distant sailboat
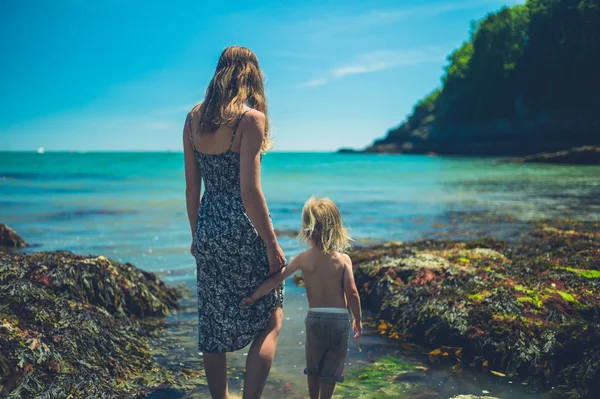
41	150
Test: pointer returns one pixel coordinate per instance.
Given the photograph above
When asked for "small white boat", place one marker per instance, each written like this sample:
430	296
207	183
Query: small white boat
41	150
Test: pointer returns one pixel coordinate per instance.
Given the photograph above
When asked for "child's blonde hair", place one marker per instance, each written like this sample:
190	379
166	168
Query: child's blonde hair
322	224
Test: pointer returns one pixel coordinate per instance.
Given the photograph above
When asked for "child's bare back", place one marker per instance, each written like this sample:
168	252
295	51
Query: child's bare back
324	277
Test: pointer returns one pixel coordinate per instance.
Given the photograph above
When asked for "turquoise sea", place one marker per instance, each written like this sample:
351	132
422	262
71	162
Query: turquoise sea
131	207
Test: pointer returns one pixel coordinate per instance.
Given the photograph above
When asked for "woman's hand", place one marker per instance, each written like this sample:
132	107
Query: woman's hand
357	328
247	302
276	258
192	249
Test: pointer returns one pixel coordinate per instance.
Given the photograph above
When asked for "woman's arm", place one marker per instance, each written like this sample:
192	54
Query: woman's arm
193	177
252	128
272	282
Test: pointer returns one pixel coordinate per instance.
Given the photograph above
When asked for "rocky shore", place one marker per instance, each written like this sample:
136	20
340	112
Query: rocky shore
528	310
10	239
78	327
586	155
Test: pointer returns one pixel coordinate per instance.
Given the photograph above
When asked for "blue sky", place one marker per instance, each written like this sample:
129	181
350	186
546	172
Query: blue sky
121	75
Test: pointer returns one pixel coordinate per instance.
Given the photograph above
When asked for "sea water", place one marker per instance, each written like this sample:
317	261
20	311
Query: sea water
131	207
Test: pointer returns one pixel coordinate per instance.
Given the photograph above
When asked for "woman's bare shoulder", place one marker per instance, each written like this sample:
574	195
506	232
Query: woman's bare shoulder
253	118
252	125
195	109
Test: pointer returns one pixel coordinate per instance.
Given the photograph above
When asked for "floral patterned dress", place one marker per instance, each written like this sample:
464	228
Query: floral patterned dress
231	258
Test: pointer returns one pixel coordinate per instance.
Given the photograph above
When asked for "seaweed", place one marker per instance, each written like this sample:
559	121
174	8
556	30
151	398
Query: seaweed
530	308
78	327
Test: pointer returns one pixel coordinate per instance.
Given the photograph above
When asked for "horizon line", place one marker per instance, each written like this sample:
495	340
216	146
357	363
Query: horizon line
152	151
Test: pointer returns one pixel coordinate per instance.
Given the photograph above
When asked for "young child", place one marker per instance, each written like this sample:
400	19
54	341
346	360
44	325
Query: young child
330	290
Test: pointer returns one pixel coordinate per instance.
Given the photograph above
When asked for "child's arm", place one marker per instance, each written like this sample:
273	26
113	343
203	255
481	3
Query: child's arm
352	297
269	284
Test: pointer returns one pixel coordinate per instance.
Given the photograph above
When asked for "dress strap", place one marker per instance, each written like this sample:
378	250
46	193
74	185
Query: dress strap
236	127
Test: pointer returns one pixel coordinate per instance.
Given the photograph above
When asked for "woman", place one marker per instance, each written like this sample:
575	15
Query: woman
233	239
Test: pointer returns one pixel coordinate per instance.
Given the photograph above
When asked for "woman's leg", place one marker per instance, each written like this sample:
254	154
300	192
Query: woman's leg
215	365
260	357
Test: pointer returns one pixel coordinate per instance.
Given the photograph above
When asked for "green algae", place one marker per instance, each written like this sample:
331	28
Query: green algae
386	378
567	297
534	300
476	297
583	272
480	296
520	288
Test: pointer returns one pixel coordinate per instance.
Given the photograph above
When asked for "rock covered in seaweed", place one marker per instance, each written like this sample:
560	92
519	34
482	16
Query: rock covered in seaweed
10	239
71	326
529	309
472	397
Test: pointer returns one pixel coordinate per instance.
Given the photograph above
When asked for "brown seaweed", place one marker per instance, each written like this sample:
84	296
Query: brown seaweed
78	327
529	309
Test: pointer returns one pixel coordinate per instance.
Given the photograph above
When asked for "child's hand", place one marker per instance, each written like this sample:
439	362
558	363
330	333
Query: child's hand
357	328
247	302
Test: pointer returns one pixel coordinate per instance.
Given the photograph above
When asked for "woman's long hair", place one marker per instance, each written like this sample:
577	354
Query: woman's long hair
237	81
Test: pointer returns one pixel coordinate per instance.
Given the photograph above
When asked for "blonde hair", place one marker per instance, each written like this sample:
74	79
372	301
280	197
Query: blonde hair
322	225
237	81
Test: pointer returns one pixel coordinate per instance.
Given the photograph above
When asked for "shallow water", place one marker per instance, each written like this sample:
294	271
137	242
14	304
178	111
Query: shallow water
130	206
286	379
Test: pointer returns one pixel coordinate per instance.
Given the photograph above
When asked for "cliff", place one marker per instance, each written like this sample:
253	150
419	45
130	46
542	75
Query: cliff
526	82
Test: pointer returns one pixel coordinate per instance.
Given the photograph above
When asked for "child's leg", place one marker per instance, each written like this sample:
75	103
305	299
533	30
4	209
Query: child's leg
332	364
315	350
327	390
313	387
216	374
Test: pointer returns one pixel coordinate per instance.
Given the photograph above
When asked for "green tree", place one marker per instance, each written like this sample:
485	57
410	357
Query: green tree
528	73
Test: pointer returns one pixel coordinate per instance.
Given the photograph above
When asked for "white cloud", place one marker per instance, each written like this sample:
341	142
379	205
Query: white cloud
355	69
314	82
378	61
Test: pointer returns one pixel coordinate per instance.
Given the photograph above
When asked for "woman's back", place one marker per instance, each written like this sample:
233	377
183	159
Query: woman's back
217	142
218	154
